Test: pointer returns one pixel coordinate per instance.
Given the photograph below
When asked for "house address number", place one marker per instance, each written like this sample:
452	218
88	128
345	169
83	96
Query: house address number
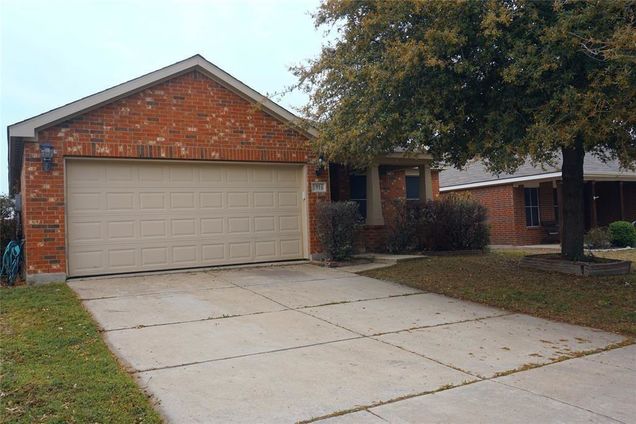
318	187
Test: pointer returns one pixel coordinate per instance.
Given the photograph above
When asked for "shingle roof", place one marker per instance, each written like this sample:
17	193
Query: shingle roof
475	172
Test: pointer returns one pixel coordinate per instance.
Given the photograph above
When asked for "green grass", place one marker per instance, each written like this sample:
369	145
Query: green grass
55	366
495	279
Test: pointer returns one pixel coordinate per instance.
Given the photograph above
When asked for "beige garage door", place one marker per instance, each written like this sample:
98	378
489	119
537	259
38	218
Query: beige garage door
125	216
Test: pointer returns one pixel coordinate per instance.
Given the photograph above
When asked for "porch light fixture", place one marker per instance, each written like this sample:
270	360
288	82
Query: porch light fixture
46	153
320	165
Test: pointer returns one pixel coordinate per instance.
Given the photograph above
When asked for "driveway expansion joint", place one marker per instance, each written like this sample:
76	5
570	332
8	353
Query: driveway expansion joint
343	302
494	380
155	293
139	327
285	349
384	402
440	325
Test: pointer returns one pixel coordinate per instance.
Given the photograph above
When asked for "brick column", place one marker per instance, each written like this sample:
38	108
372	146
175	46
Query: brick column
374	199
426	182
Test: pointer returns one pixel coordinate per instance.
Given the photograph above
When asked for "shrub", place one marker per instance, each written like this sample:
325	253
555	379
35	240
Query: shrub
622	234
336	225
7	221
402	225
598	238
454	222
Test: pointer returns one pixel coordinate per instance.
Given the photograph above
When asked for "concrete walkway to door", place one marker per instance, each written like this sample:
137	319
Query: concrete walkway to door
304	343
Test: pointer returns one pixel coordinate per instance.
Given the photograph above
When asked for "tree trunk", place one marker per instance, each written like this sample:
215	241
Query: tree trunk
572	193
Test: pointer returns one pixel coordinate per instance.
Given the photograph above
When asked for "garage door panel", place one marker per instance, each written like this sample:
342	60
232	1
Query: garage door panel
289	223
210	200
213	252
182	200
154	256
151	174
264	199
120	201
185	255
288	200
86	231
290	247
211	226
122	258
161	215
119	173
152	201
121	230
237	175
85	202
153	228
264	224
238	199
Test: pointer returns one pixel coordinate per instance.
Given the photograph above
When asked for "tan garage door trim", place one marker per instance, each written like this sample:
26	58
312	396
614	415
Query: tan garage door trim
303	216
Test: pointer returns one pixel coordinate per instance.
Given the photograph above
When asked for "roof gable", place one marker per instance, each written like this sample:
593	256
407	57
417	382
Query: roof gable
29	127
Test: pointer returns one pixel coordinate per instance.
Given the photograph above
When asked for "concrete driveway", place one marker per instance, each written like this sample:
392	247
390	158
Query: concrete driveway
305	343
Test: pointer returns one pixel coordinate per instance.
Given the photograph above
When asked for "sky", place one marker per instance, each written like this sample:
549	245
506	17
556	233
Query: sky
55	52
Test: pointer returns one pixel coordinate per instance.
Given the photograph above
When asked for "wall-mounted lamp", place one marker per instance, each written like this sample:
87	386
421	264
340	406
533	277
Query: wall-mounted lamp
46	153
320	165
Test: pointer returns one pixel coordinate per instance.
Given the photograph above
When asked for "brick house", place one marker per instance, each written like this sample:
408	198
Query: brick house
180	168
524	207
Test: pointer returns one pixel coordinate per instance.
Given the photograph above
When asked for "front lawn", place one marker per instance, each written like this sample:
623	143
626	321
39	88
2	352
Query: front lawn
55	366
608	303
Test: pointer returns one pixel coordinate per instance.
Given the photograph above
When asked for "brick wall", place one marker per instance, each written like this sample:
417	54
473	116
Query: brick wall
546	202
435	183
392	187
524	234
507	215
499	201
188	117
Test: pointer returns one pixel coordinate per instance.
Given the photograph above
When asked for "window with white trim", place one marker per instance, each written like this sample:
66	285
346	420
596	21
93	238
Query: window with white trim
531	197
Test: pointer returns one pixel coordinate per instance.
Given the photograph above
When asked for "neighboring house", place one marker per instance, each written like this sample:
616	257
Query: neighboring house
183	167
524	207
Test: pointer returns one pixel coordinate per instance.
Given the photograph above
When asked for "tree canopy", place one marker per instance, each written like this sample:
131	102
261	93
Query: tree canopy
501	80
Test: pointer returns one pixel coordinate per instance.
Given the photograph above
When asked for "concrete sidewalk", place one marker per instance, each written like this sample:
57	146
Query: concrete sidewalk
305	343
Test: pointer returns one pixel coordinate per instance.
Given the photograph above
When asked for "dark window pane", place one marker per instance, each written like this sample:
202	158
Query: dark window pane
358	189
528	217
555	195
531	196
413	188
362	208
535	217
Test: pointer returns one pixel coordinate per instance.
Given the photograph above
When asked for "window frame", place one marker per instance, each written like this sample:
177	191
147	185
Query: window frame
361	201
406	187
555	204
528	208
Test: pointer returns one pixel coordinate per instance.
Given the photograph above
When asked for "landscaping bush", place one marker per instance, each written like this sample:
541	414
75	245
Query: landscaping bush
7	221
454	222
598	238
336	225
622	234
402	225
